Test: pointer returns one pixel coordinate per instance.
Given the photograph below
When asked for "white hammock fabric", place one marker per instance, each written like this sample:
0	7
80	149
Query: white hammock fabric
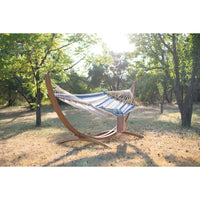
98	103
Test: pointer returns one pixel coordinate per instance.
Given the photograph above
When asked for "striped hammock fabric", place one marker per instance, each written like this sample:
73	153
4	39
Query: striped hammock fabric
99	103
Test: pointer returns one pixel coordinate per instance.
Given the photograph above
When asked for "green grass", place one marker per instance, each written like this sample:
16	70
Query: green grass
166	142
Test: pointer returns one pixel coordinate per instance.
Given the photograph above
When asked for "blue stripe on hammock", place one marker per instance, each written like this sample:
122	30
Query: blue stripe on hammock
98	101
121	106
82	96
99	98
88	108
95	100
106	103
114	104
92	100
124	108
100	104
128	110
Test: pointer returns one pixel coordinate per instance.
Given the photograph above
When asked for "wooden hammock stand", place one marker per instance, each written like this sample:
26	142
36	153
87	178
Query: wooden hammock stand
120	128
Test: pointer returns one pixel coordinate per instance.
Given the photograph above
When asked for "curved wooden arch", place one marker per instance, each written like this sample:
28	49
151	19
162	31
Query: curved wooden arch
120	128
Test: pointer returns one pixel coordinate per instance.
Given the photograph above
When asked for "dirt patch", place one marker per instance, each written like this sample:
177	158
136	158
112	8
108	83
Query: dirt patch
165	143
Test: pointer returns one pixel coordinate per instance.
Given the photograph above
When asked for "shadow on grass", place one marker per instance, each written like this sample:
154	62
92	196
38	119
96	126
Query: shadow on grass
14	115
19	128
89	123
3	107
25	110
181	161
15	130
73	152
10	130
104	159
4	137
142	124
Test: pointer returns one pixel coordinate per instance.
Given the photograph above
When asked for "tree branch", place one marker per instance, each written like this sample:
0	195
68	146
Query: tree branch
74	64
166	45
48	50
152	68
169	35
194	81
63	46
67	44
176	62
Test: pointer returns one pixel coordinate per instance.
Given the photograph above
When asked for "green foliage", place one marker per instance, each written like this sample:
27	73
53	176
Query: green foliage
31	56
75	84
111	74
147	90
8	92
96	74
130	77
160	88
178	57
155	56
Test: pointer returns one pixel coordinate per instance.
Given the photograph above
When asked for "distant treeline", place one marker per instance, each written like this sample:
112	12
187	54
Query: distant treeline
166	68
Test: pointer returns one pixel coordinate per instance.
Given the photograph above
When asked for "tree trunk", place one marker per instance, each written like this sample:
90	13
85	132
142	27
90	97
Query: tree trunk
9	95
38	108
186	115
167	98
38	115
186	112
38	101
170	97
185	105
164	95
117	88
161	108
162	103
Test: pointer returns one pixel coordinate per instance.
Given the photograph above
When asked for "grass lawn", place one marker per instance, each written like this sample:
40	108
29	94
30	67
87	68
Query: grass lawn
165	142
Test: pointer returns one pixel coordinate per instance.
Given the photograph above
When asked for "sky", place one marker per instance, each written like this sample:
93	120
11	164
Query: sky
116	41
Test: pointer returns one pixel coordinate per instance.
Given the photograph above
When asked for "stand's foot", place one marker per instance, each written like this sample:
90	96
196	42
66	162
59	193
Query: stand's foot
134	134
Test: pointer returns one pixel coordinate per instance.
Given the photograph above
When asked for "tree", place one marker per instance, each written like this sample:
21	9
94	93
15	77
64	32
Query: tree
96	76
11	89
76	84
8	91
30	56
148	86
178	56
110	75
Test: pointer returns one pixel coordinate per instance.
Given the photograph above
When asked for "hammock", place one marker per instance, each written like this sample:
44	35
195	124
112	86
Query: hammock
111	103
